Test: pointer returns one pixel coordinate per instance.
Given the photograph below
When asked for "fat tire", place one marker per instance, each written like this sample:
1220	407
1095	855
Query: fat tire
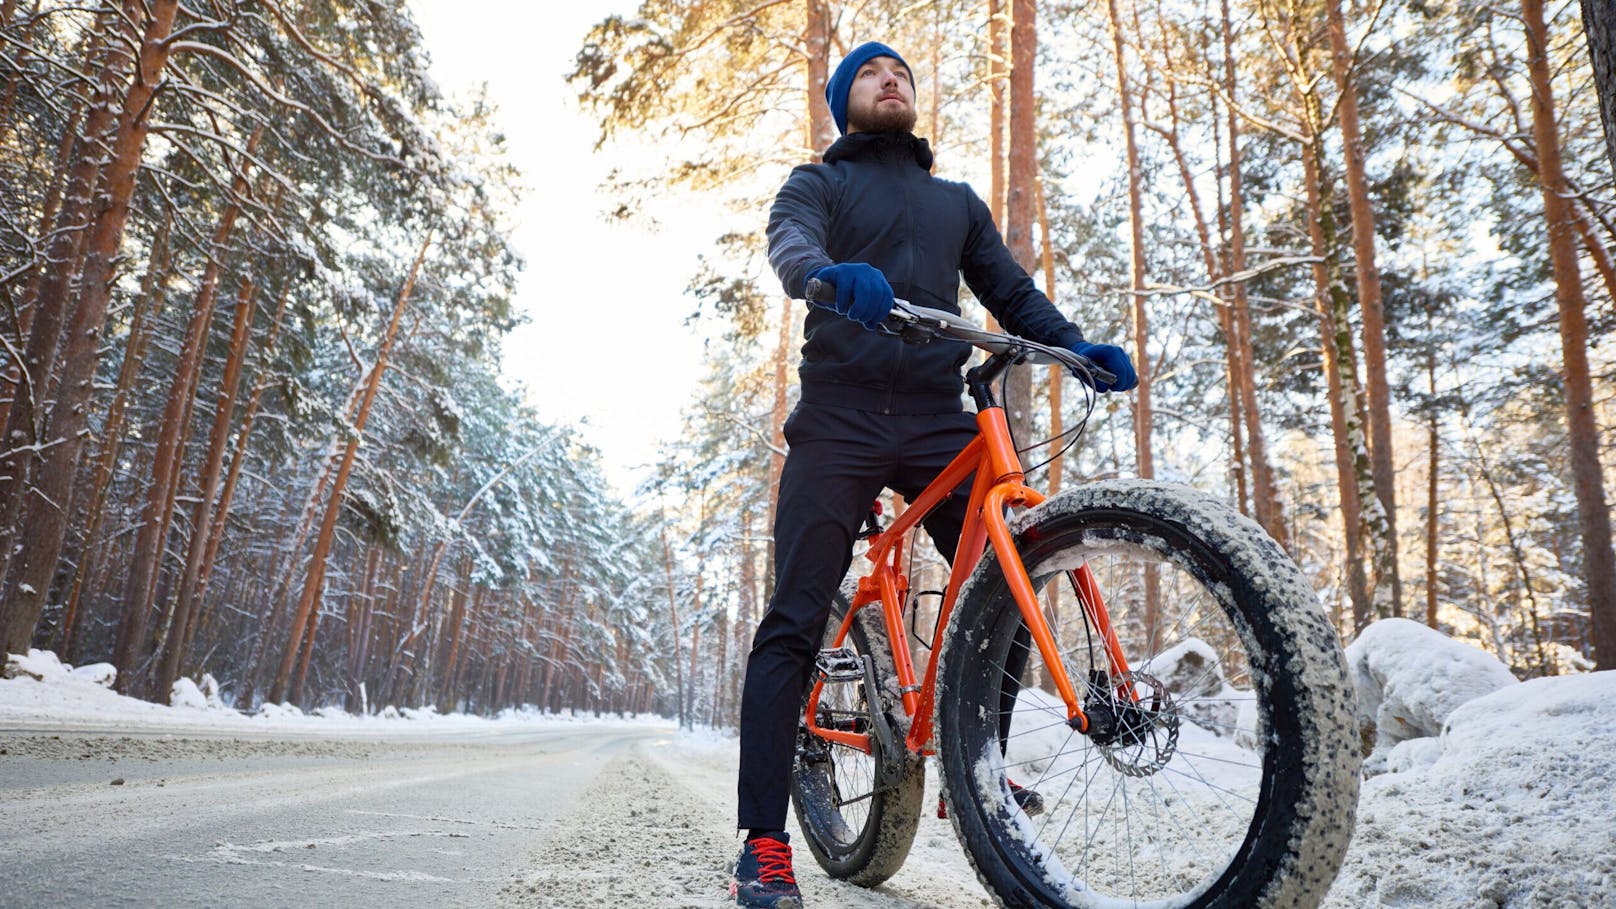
1304	818
882	845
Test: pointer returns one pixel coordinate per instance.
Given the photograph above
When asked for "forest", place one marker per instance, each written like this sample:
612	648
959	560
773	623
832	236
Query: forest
256	270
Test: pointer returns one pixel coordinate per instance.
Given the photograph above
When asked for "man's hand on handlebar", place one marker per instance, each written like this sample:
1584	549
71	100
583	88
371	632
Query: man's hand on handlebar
1112	359
862	292
1105	367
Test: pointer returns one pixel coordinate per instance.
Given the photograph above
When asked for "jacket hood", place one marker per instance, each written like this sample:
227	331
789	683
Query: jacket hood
872	146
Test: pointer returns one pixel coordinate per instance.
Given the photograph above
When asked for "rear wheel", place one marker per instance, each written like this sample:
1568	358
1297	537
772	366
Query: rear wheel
1221	769
858	829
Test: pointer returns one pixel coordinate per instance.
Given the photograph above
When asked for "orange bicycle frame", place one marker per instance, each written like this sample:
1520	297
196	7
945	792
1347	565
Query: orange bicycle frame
991	457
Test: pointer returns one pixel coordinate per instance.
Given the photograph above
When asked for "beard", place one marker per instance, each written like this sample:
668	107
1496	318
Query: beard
876	120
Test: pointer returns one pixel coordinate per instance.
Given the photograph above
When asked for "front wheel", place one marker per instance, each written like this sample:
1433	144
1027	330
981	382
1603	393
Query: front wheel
1221	767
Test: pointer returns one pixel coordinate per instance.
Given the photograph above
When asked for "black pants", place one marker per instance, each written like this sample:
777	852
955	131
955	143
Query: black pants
840	460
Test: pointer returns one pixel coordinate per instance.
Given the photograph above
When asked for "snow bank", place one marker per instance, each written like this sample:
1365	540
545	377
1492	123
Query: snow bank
1410	679
44	666
1513	809
38	690
203	695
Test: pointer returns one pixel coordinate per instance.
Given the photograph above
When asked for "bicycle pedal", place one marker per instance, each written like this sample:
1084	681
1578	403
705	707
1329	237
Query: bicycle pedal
839	664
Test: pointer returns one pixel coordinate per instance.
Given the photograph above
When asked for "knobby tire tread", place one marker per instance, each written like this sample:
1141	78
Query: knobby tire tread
1293	856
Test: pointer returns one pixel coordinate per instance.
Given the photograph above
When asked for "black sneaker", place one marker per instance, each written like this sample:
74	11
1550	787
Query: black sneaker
1028	800
763	878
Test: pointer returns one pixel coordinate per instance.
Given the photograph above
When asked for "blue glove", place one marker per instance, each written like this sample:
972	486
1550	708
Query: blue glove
862	292
1112	359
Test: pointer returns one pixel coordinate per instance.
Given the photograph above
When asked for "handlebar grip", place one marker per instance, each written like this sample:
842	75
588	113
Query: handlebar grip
818	291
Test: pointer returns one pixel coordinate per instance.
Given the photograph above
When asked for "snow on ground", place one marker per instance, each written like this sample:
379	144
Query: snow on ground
1410	678
38	690
1483	792
1507	808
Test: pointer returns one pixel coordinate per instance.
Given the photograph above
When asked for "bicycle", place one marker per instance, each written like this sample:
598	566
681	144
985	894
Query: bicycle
1189	732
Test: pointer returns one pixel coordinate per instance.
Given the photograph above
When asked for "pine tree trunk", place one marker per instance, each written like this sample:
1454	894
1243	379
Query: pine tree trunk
142	326
1143	417
1367	274
20	452
673	627
777	433
1020	206
1340	367
284	571
141	588
221	512
361	609
998	72
459	620
202	513
57	465
1599	24
1433	506
1593	514
38	270
322	546
1265	498
1234	346
1057	375
816	38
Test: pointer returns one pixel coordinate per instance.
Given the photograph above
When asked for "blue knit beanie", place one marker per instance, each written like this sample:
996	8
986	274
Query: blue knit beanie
841	81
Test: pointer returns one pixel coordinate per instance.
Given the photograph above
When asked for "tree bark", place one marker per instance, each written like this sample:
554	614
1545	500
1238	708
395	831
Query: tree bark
322	546
777	433
816	39
174	638
1020	207
24	434
36	563
292	550
1056	374
1599	24
998	71
673	619
47	217
1235	349
140	590
142	327
1340	367
221	513
1367	275
1143	417
1433	505
1593	514
1265	498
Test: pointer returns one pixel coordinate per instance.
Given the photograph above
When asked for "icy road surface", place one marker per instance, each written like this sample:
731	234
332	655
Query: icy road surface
570	816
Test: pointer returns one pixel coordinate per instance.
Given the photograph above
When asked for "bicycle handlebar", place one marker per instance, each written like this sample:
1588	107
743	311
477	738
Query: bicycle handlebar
907	318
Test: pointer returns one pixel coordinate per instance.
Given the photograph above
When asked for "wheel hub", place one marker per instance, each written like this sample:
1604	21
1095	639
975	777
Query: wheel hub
1134	721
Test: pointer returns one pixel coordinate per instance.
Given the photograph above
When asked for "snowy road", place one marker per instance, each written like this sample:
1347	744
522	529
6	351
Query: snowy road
208	820
570	816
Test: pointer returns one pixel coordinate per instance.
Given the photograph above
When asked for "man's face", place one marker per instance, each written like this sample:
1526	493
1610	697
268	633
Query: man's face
882	98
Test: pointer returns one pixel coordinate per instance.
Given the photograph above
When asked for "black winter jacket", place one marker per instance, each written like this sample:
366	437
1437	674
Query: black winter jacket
874	200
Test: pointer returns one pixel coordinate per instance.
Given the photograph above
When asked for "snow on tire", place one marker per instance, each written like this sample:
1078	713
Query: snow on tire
1229	774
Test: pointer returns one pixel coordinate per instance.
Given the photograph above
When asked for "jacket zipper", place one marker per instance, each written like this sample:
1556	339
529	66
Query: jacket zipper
909	252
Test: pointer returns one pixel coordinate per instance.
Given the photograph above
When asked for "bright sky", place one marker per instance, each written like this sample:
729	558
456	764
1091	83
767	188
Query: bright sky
605	346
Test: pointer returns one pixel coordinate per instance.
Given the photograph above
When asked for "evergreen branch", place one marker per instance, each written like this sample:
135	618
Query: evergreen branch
277	97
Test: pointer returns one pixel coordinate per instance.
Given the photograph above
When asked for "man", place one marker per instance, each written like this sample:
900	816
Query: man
875	413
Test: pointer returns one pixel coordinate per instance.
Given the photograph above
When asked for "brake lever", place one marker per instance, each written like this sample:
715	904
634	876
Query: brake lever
1089	369
908	326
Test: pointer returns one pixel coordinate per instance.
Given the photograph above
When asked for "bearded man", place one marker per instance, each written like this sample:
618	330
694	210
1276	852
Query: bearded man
875	413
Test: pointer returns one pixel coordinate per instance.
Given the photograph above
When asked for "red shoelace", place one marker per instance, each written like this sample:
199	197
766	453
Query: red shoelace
774	860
